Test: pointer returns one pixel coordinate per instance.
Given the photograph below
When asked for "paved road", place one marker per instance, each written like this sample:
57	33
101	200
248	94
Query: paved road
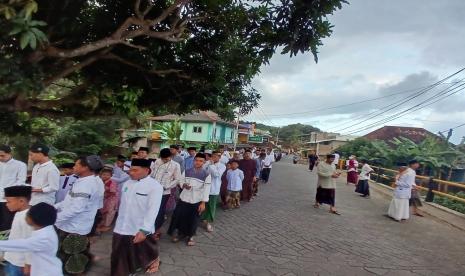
280	233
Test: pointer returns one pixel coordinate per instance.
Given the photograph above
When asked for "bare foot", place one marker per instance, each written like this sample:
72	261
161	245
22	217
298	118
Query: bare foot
154	266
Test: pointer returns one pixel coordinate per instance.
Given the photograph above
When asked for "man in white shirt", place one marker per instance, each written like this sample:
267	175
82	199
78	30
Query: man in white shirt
119	175
76	213
215	169
195	194
18	198
12	173
168	173
399	207
133	246
267	165
225	155
66	181
45	175
362	186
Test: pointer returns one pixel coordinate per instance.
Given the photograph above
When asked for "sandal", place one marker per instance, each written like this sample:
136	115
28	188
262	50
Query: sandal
154	266
335	212
419	215
209	228
190	242
316	205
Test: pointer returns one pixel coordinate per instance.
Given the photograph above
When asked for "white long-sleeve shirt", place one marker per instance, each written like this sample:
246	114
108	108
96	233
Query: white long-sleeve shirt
66	182
77	212
140	203
43	247
19	230
235	178
269	160
216	171
365	172
167	174
12	173
404	184
200	181
45	176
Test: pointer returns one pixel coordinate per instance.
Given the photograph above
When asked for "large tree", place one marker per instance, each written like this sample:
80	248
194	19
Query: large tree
97	57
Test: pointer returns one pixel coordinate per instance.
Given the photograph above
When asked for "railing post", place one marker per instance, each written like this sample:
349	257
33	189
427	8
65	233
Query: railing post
377	174
430	194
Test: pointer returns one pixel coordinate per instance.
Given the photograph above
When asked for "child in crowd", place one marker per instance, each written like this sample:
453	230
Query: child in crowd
42	244
67	179
235	177
17	200
110	200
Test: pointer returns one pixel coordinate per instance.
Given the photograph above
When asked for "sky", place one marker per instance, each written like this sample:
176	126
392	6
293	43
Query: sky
385	48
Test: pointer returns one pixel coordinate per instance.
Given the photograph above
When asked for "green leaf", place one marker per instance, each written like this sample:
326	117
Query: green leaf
16	30
37	23
39	34
32	40
24	40
30	8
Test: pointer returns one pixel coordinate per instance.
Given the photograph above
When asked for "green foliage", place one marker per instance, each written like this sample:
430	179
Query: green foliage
88	137
171	130
208	66
450	203
431	152
292	135
17	17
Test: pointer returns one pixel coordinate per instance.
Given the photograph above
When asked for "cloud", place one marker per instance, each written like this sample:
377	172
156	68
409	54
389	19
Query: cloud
377	49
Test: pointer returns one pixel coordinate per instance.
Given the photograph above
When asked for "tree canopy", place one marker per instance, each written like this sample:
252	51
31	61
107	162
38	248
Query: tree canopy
84	58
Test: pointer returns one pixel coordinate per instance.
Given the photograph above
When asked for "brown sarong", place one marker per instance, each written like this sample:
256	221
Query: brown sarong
129	258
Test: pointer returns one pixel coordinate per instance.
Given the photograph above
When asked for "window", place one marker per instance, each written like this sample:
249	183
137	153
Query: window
197	129
232	135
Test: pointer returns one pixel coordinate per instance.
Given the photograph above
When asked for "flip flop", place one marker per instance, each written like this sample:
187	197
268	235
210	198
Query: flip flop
335	212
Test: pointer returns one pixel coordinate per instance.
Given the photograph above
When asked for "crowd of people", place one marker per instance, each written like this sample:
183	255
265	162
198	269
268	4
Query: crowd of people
405	195
51	219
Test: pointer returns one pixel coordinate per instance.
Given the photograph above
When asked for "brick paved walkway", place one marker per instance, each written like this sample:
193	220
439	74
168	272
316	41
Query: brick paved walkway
280	233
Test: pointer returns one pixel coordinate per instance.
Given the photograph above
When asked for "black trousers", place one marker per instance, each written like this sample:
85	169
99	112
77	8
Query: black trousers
6	217
161	213
266	174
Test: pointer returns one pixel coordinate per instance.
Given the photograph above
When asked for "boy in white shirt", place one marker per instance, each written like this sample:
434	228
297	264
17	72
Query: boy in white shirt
17	200
235	177
42	244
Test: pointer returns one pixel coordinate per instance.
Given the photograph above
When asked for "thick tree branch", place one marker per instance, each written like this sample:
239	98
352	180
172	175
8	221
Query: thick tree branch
76	67
161	73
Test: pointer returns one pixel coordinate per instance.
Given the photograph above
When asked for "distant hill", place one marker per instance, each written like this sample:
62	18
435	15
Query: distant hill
290	135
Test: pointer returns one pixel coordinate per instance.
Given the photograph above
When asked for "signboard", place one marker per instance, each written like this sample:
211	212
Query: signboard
256	139
266	139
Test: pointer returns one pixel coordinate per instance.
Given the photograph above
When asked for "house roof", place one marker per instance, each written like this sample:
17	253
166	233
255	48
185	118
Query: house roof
198	116
388	133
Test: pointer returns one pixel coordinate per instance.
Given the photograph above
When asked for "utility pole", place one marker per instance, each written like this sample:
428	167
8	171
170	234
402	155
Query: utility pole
237	132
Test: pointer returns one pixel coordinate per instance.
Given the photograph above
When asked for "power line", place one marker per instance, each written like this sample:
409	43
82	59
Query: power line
413	108
349	104
409	98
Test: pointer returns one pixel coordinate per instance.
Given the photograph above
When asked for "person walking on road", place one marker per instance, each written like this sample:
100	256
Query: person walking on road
326	190
249	167
362	186
399	207
352	174
312	160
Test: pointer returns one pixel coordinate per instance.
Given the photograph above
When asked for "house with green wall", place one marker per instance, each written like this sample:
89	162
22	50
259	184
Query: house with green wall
199	128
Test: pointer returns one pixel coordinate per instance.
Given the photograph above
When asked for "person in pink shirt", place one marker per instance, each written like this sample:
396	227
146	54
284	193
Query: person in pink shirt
110	200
